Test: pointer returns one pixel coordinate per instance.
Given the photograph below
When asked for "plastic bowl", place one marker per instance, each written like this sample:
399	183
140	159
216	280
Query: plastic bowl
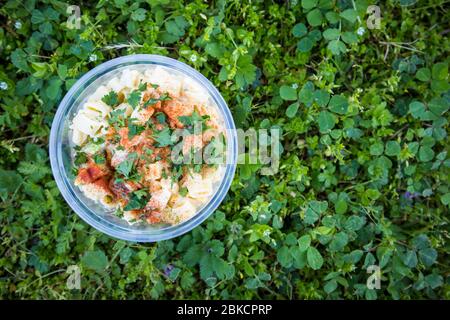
60	153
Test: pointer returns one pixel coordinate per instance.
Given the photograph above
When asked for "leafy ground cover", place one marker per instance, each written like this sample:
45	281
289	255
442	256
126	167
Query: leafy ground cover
364	172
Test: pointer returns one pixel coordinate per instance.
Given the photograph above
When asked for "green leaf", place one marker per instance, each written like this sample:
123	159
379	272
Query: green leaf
410	259
314	258
376	149
246	71
19	59
111	99
417	109
332	17
37	17
309	4
314	17
288	93
306	94
326	121
350	15
176	26
10	181
354	223
314	210
392	148
339	241
321	97
126	166
331	34
337	47
299	30
291	111
341	206
440	71
95	260
438	106
304	242
338	104
215	50
445	199
137	200
330	286
163	137
426	154
138	15
423	74
53	89
284	257
305	45
349	37
440	86
428	256
299	257
434	280
134	98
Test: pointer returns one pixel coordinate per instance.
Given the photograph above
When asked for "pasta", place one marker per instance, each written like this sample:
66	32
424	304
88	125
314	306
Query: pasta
125	140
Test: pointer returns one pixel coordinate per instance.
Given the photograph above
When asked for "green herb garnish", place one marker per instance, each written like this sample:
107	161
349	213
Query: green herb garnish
111	99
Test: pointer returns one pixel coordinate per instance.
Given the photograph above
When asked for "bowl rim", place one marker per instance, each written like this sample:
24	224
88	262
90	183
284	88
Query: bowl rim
81	209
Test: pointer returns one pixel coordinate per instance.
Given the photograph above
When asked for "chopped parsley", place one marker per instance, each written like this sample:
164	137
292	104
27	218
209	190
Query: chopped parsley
99	159
148	151
117	118
134	98
152	101
138	200
183	191
111	99
126	166
134	129
98	140
80	158
163	137
190	121
177	172
142	86
160	117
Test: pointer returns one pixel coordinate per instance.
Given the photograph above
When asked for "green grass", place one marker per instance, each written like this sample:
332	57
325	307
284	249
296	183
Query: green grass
364	172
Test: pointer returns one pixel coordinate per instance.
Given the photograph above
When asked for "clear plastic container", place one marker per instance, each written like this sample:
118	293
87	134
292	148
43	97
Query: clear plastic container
61	148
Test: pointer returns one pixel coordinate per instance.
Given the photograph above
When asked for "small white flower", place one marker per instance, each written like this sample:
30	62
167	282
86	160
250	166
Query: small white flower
3	85
266	233
93	57
294	86
193	58
18	25
360	31
262	216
